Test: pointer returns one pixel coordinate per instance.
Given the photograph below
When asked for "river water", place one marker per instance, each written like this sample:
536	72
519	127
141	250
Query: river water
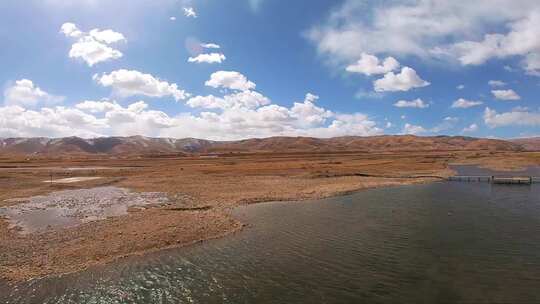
473	170
446	242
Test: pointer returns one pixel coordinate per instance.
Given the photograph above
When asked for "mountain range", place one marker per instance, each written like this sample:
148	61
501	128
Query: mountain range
139	145
529	144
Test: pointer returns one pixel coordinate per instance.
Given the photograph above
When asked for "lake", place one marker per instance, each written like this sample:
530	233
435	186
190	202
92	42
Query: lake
445	242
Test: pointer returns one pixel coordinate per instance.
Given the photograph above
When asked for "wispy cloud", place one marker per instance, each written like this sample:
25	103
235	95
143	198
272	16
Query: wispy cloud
190	12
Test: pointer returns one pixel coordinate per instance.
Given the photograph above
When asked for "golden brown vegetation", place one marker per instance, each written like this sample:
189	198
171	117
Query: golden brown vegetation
218	182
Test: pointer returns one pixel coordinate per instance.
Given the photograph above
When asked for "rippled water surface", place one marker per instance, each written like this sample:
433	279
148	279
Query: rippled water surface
478	171
441	242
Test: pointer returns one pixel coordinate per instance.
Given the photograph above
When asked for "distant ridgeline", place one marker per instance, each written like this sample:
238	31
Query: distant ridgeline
145	145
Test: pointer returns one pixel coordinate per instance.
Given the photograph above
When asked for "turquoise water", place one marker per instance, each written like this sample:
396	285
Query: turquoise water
435	243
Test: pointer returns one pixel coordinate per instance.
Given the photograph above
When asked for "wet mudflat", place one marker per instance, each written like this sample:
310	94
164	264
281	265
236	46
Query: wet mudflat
70	180
441	242
69	208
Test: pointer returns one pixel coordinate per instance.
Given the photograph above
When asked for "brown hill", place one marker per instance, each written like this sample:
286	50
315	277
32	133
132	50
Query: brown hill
139	145
373	143
529	144
103	145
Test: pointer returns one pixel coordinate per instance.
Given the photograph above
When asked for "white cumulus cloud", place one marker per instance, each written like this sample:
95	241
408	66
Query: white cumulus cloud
25	93
249	114
463	103
406	80
496	83
230	80
210	46
240	113
71	30
522	39
93	47
459	30
370	65
308	113
512	118
129	83
413	129
470	129
86	119
416	103
208	58
531	64
107	36
245	99
505	94
17	121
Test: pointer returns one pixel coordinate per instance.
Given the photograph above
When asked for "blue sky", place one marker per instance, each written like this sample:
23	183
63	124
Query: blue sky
331	68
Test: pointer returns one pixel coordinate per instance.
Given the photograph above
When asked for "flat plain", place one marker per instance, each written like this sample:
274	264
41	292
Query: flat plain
202	190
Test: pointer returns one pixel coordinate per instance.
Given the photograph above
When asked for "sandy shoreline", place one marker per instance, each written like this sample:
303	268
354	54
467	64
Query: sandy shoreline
203	193
100	242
